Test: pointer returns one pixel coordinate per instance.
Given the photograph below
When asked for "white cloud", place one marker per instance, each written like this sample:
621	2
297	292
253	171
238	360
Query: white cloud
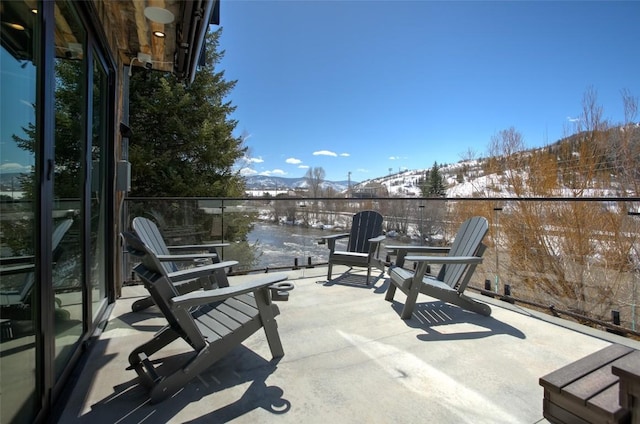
345	155
362	170
293	161
325	153
304	167
248	159
570	119
278	172
12	168
245	172
394	158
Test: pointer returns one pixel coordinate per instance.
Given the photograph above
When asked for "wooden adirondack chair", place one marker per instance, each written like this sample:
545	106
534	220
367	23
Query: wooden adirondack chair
170	256
363	244
212	322
457	268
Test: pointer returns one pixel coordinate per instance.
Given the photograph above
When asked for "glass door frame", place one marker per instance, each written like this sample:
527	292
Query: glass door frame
48	388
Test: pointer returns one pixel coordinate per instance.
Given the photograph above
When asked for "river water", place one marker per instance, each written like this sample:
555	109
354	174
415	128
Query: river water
280	245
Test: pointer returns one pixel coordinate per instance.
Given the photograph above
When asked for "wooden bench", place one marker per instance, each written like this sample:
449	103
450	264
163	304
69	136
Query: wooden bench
587	391
628	370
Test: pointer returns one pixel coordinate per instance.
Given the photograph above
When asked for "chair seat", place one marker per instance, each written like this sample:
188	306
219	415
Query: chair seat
219	320
402	278
11	298
351	255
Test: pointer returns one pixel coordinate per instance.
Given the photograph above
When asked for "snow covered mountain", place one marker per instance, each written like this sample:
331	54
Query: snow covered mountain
261	182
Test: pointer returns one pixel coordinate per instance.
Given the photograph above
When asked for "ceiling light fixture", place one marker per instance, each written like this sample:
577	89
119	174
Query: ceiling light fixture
159	34
158	14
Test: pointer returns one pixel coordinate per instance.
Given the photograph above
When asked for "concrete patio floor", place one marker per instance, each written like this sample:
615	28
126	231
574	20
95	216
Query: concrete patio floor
349	358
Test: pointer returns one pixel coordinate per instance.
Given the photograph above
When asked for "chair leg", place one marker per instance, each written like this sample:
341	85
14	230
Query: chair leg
265	308
391	291
173	382
410	302
160	340
472	305
407	310
273	339
142	304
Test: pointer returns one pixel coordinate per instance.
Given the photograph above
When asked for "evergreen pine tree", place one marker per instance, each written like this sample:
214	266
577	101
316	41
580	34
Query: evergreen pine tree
433	184
182	143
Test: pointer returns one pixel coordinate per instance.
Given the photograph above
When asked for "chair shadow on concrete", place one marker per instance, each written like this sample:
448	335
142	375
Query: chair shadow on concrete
130	401
442	321
136	320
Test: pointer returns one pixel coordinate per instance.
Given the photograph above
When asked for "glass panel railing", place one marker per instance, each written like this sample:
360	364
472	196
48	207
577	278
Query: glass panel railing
579	255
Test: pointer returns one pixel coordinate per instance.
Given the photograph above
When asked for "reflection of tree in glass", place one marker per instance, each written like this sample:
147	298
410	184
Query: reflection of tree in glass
69	106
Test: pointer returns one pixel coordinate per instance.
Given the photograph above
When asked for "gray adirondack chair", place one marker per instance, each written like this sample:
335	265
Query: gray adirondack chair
170	256
212	321
26	265
363	244
458	266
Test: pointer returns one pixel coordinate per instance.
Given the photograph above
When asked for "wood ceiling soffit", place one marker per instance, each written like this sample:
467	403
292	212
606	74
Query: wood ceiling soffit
130	32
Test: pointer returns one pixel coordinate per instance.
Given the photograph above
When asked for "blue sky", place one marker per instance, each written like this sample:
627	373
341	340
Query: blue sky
369	86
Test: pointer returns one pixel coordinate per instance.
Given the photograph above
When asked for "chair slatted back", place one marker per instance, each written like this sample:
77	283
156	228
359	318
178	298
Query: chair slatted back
466	243
56	239
59	232
162	290
365	225
151	236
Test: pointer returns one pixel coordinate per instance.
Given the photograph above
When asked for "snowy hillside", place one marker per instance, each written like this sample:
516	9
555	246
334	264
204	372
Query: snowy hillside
261	182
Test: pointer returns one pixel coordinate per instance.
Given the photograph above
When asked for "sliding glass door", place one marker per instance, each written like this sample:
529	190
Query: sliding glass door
56	164
18	218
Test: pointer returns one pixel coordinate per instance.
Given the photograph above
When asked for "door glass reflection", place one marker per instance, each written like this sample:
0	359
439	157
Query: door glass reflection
68	182
17	213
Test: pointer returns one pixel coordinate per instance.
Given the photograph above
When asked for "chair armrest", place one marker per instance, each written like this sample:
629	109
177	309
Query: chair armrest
419	249
445	259
198	298
423	261
402	251
186	257
334	236
12	260
331	240
191	247
17	269
199	271
374	247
